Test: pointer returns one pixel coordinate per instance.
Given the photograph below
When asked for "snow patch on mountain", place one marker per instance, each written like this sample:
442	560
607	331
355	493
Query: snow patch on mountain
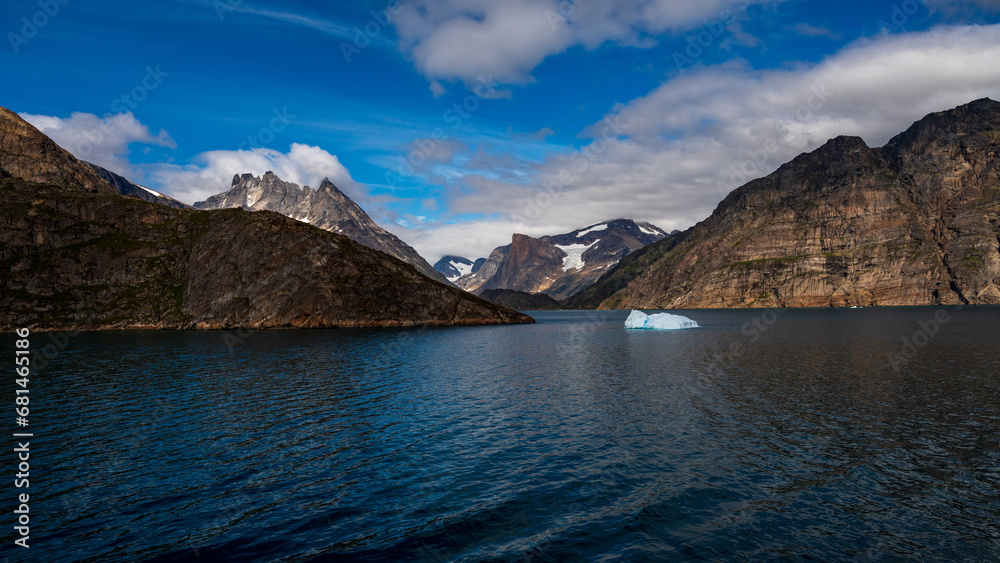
156	193
647	231
574	255
600	227
463	269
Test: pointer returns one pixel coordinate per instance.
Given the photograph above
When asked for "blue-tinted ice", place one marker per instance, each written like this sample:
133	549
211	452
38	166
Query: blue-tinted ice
658	321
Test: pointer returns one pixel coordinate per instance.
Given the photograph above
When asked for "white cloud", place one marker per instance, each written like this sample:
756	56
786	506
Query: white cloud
213	171
470	239
102	140
672	155
504	40
808	30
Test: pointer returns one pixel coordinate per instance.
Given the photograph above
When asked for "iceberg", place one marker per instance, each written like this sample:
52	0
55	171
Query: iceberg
658	321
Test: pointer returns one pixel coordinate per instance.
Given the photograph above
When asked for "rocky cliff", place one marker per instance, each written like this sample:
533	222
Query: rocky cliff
25	152
560	265
916	222
130	188
325	207
81	256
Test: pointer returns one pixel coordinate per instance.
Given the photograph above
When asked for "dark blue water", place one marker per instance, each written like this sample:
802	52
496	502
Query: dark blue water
796	435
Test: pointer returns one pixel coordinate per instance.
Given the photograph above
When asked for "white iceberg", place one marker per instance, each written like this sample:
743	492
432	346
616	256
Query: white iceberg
658	321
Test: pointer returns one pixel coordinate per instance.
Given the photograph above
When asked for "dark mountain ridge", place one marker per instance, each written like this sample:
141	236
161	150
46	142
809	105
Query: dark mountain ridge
76	255
130	188
916	222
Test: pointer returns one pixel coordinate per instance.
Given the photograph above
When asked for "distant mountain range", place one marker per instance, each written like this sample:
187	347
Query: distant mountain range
916	222
454	267
325	207
76	254
559	265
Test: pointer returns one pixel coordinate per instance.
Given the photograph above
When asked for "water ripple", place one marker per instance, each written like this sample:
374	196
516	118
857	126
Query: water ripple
568	440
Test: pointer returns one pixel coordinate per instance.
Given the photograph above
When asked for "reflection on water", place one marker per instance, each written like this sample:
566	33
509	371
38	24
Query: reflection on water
790	435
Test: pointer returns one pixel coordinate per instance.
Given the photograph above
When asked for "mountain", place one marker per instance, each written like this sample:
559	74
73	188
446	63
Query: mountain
326	207
624	272
25	152
560	265
520	300
129	188
454	267
76	255
916	222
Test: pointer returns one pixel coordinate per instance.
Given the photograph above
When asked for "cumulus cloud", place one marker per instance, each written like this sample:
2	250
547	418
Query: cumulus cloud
672	155
212	172
102	140
504	40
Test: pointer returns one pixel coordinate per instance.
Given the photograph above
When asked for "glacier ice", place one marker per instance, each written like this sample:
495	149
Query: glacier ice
658	321
574	255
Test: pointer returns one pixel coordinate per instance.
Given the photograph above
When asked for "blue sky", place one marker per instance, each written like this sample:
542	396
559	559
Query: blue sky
456	124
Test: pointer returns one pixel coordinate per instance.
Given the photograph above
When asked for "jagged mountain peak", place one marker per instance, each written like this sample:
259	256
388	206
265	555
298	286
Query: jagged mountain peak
327	208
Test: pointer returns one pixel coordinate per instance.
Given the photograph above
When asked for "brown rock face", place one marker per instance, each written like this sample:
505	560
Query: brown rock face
916	222
26	153
528	262
561	265
84	257
129	188
326	207
76	260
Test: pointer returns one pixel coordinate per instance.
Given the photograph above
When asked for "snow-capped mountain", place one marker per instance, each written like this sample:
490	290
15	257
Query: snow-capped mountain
560	265
325	207
454	267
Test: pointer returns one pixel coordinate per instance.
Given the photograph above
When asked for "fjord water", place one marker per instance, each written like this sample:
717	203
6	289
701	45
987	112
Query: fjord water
761	435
